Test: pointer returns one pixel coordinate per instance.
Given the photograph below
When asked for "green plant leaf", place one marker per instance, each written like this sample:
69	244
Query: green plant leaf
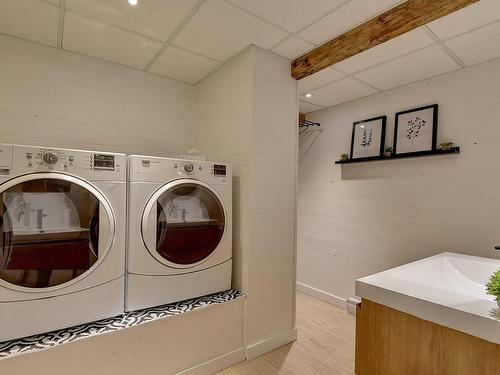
493	285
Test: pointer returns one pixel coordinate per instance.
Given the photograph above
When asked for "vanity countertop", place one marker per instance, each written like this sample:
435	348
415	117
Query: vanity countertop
447	289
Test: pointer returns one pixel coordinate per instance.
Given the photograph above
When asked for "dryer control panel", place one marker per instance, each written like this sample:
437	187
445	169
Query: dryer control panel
187	168
154	169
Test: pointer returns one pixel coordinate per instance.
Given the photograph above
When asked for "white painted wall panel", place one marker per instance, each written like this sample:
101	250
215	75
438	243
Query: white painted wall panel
359	219
224	119
271	303
247	114
61	99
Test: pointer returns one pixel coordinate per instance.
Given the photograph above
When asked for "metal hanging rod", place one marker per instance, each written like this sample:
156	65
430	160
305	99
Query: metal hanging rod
305	124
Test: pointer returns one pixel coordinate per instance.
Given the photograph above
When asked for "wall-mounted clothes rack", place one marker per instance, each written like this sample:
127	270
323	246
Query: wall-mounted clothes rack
306	124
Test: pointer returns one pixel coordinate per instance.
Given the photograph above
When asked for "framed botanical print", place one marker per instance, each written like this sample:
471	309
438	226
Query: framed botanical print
368	137
416	130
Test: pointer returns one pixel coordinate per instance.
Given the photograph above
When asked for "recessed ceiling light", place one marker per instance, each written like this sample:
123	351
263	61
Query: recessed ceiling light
308	95
362	126
132	2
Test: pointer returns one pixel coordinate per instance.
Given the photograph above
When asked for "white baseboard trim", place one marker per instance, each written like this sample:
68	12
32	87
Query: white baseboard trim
327	297
216	364
264	346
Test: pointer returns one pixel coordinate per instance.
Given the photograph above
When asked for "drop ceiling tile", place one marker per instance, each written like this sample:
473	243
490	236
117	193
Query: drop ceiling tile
345	18
340	92
411	41
30	19
477	46
318	79
466	19
293	47
156	19
108	43
220	30
183	65
422	64
53	2
307	107
292	15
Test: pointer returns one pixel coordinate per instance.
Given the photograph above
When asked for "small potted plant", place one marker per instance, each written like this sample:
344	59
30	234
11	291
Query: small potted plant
446	146
388	151
344	157
493	286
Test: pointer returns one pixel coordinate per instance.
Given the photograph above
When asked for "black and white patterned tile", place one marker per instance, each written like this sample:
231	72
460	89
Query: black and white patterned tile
130	319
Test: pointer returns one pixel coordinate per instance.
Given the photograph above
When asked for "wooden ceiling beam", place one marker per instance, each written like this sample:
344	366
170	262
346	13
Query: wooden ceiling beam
391	24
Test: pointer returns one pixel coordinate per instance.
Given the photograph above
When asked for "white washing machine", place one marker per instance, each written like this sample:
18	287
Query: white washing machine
179	230
62	238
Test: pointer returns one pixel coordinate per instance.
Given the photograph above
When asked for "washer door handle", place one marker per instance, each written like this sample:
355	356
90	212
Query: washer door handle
149	226
105	232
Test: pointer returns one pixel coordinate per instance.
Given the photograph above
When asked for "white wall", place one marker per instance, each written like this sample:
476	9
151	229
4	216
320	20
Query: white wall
273	165
224	120
359	219
247	114
56	98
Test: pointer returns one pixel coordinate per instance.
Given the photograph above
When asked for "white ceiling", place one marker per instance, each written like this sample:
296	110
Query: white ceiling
188	39
184	39
467	37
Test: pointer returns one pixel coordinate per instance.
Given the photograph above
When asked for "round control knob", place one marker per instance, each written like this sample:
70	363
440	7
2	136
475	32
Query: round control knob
50	158
188	168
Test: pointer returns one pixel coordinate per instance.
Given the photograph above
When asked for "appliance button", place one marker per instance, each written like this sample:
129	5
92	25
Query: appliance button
50	158
188	168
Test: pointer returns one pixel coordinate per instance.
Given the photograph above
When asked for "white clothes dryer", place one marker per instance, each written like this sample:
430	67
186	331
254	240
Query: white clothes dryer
179	230
62	238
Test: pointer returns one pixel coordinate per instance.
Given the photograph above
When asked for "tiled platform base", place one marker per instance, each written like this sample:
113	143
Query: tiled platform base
131	319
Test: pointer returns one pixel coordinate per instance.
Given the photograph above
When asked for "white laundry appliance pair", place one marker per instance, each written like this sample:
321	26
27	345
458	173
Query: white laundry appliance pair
179	230
63	224
62	238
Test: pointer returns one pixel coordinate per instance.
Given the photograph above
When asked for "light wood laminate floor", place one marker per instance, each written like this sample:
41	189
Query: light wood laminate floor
325	344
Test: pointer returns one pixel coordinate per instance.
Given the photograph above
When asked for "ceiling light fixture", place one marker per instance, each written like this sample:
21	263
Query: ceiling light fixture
308	95
133	2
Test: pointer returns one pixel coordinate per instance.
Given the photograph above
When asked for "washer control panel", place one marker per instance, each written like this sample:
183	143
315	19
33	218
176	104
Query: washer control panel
40	159
102	162
48	159
20	159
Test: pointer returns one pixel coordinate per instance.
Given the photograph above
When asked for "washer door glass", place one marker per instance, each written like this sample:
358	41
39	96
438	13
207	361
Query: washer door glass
189	220
51	230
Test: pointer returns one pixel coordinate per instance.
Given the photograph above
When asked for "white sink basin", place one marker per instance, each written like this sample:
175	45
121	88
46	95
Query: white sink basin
447	289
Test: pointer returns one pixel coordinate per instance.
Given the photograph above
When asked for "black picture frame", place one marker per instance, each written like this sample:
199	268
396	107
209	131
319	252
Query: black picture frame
397	128
359	124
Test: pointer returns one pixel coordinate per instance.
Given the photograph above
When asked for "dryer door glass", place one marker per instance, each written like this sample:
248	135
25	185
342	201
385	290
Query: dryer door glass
190	223
49	232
